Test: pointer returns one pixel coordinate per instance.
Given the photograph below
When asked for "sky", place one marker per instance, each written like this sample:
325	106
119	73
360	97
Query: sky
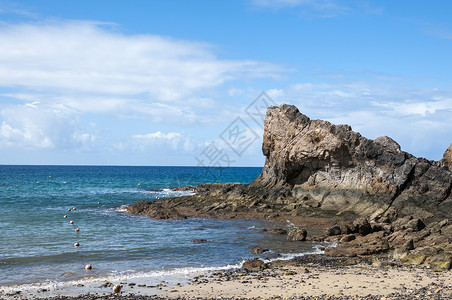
186	83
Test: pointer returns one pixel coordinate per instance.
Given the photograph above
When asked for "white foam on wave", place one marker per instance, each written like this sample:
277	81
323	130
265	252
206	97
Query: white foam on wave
157	192
171	276
173	193
289	256
122	208
291	225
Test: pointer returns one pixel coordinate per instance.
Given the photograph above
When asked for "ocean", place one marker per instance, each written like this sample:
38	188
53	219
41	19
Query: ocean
37	240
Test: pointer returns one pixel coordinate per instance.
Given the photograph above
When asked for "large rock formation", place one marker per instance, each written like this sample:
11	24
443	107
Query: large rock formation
332	168
374	197
315	168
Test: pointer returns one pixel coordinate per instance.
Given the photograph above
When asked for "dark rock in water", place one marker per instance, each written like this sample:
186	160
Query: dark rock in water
297	235
156	211
258	250
199	241
254	265
277	231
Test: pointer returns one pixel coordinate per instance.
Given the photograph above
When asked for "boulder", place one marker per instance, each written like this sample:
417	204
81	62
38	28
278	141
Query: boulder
297	235
254	265
440	262
258	250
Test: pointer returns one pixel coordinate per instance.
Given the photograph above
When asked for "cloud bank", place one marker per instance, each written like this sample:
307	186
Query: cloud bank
52	73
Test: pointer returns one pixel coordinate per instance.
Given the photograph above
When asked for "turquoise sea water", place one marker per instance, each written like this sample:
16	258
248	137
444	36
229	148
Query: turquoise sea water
37	242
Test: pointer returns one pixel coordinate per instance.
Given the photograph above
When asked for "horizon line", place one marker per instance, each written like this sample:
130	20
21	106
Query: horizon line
106	165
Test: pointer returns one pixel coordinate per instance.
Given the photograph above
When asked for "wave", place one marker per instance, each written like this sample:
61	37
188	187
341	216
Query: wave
122	208
163	193
169	276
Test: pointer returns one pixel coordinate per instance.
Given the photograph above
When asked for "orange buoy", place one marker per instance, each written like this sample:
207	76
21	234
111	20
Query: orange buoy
73	208
71	222
88	267
68	209
117	289
76	244
77	230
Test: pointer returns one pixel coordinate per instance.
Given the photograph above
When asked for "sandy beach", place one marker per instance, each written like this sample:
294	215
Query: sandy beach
289	280
361	281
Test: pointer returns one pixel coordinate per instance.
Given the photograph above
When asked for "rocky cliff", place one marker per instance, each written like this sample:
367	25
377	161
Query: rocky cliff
330	167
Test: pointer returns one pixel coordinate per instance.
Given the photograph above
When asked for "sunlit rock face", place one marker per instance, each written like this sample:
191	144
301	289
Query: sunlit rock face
333	167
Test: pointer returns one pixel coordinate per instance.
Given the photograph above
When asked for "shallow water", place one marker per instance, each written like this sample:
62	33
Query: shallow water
37	242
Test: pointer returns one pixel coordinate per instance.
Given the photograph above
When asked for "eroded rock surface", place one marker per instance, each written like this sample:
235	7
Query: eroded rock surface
332	167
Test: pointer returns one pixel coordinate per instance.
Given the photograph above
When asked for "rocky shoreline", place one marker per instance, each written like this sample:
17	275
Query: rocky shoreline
370	196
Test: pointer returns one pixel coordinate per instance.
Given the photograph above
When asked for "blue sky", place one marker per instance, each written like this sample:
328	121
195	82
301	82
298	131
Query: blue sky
171	82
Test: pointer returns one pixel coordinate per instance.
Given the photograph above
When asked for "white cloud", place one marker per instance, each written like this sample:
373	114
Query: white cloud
429	106
90	68
42	126
157	135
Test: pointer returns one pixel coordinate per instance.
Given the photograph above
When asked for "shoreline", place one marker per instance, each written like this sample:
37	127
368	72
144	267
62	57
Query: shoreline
146	282
306	277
